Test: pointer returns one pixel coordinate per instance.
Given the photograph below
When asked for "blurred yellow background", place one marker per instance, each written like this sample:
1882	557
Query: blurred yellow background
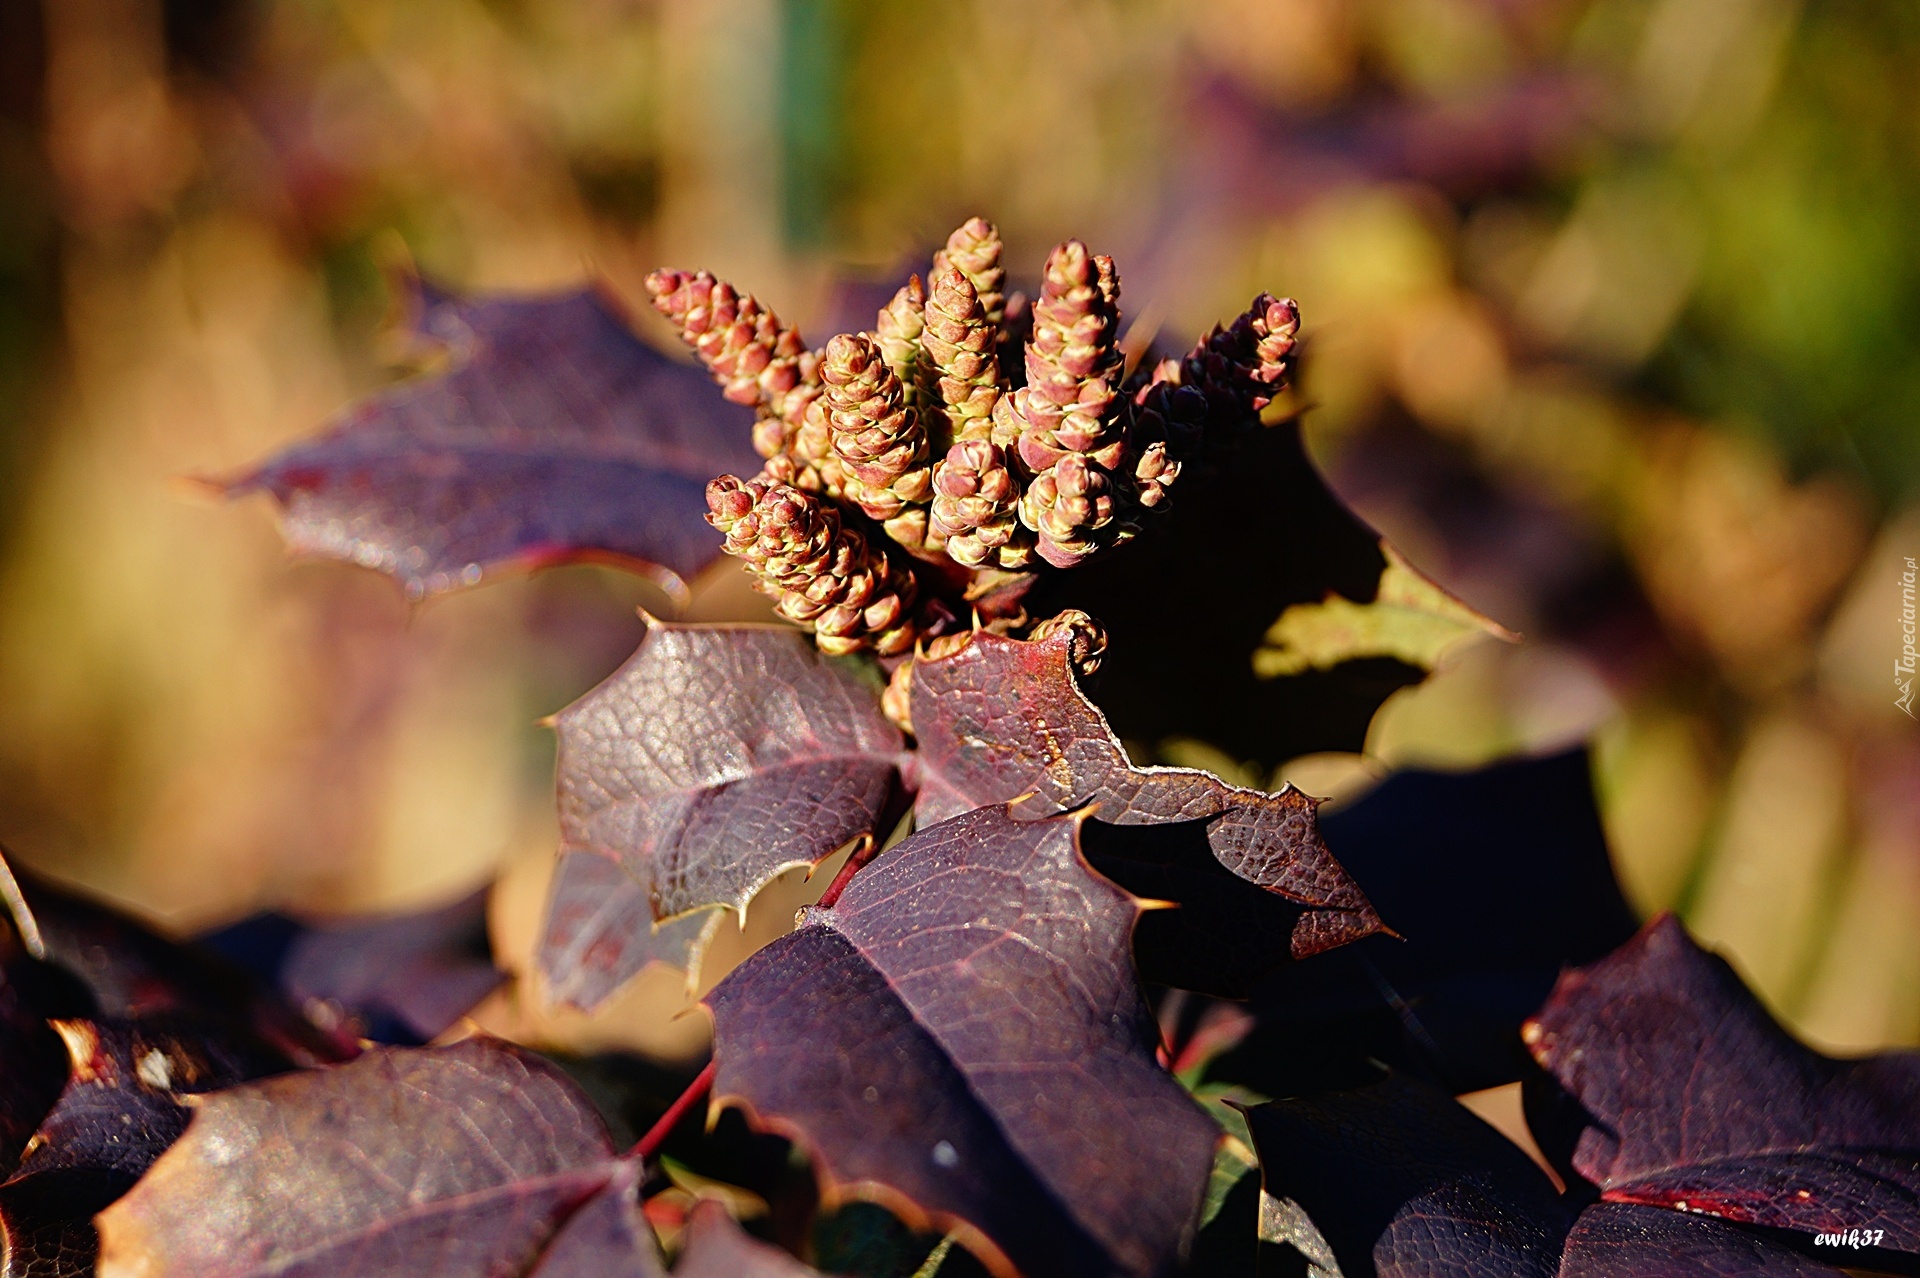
1615	329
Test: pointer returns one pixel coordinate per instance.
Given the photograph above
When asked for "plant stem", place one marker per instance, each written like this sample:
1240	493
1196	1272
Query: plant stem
657	1134
936	1258
697	1090
861	856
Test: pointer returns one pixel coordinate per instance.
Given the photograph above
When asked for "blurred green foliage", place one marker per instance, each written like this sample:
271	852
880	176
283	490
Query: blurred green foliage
1806	315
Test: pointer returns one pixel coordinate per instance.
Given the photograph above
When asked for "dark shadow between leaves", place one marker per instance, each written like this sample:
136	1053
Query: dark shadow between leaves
1224	933
1495	879
1188	604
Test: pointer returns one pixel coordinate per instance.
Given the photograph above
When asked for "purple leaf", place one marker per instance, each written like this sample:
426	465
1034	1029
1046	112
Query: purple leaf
1398	1179
1496	878
398	978
600	932
1004	718
553	433
716	1247
609	1236
120	1110
1697	1099
1617	1240
105	965
454	1161
716	758
961	1037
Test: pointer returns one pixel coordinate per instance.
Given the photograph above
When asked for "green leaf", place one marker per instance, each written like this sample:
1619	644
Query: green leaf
1409	619
1232	1164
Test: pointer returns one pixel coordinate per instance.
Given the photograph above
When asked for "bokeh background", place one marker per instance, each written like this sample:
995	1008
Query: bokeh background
1615	329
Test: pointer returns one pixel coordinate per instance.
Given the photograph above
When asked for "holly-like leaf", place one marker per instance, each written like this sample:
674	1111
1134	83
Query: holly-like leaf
715	1246
719	756
961	1037
1004	719
1496	879
1398	1179
1409	619
121	1108
551	433
1699	1100
399	978
101	964
609	1236
460	1160
600	932
1616	1240
1191	604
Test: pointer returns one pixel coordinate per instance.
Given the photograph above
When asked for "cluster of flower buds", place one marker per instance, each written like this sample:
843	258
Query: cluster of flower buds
971	425
1242	367
757	360
1086	639
1211	397
898	329
876	437
821	573
976	493
959	340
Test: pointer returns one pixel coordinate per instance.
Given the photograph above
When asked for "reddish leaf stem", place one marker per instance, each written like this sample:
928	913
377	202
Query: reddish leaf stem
697	1090
657	1134
855	863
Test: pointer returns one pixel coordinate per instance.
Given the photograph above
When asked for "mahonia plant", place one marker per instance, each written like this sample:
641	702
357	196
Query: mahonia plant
1055	1012
980	433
